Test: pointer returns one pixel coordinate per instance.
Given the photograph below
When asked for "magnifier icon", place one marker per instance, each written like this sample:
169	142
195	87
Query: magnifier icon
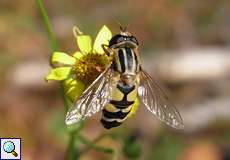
9	147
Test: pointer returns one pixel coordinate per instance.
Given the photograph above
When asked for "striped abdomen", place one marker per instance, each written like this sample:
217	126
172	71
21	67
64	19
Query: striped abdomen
124	93
116	111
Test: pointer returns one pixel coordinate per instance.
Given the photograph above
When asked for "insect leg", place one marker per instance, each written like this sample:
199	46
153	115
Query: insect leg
107	50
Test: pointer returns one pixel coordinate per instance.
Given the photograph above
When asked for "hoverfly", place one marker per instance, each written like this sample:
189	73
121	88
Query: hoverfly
120	85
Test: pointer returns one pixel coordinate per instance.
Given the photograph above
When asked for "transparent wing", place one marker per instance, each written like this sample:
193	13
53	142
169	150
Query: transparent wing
93	99
157	101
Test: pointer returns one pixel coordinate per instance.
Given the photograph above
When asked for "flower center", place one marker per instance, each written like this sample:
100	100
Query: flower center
90	66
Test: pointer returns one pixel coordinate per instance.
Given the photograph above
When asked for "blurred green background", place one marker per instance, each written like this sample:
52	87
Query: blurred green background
185	45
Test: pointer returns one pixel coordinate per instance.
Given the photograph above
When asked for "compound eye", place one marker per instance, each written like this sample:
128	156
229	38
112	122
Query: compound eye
133	39
120	39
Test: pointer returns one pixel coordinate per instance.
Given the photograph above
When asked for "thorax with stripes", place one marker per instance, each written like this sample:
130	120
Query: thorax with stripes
126	61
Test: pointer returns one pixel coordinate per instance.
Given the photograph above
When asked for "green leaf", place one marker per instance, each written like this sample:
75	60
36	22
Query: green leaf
59	74
103	37
62	58
84	43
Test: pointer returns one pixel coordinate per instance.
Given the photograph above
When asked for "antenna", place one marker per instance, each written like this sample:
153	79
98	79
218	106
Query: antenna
123	28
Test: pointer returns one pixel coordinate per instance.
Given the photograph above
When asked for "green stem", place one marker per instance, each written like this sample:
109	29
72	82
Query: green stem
94	141
71	150
53	42
71	153
46	20
91	144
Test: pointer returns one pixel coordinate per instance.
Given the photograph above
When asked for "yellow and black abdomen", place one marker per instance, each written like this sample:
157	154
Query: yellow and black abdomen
116	111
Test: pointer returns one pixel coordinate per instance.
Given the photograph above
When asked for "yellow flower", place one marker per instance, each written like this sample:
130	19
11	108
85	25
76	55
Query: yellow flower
79	70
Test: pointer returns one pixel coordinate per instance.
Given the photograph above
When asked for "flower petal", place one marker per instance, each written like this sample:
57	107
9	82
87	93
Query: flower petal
134	108
103	37
62	58
77	55
59	74
73	88
84	43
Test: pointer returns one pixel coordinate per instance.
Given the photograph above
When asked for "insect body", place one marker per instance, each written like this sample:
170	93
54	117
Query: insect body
124	92
120	85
